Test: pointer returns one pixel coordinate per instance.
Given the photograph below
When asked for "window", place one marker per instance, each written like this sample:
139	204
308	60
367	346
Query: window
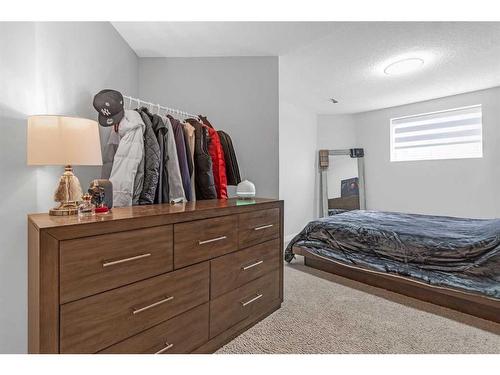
450	134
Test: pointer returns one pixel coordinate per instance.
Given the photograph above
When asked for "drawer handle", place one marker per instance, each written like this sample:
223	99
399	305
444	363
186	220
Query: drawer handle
169	346
264	227
137	311
252	265
212	240
119	261
258	296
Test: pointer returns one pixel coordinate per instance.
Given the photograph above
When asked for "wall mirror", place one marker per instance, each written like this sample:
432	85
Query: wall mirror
342	183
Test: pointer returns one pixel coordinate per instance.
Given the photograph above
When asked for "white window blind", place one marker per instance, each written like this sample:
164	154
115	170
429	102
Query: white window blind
451	134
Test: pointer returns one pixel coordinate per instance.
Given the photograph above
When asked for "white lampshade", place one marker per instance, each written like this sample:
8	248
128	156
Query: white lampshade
61	140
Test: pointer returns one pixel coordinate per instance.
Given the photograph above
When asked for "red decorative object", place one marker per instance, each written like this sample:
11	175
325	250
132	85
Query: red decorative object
102	210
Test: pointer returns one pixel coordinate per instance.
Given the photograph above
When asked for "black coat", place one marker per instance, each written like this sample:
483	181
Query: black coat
232	169
204	176
151	161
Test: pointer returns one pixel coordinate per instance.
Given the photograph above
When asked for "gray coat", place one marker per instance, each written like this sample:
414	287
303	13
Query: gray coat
108	156
108	153
151	161
176	190
161	132
138	182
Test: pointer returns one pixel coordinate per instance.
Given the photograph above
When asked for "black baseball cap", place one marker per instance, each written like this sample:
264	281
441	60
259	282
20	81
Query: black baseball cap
109	104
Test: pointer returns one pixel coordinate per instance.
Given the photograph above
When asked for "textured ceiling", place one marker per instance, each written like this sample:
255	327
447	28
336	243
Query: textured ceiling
343	60
204	39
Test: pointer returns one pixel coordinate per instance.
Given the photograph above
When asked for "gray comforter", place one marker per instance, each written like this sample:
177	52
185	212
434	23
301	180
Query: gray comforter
442	251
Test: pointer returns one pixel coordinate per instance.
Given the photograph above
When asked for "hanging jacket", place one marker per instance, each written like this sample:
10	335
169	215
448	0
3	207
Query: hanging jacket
151	161
218	164
232	169
189	137
204	178
180	143
127	158
189	146
139	179
108	153
107	166
161	132
176	190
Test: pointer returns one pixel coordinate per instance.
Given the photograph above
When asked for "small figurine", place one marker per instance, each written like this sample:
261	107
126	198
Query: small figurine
86	209
97	193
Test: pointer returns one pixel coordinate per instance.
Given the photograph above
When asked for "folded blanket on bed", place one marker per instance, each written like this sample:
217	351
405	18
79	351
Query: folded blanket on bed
439	250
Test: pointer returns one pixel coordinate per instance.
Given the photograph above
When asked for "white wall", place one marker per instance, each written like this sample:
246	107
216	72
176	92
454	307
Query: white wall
18	183
297	170
53	68
238	95
336	132
462	187
298	178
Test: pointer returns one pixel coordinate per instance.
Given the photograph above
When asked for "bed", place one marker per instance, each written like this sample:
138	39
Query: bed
453	262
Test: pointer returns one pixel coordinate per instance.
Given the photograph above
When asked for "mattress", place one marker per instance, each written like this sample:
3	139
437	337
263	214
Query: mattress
449	252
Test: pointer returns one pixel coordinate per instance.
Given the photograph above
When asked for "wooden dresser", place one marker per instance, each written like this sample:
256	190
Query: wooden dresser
153	279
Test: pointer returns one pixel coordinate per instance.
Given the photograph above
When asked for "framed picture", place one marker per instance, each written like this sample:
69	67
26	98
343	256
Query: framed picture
349	187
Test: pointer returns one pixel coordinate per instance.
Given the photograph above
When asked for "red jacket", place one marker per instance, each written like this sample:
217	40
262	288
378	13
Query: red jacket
218	164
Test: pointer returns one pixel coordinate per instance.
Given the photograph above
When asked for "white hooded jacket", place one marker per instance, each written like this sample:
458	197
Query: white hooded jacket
127	158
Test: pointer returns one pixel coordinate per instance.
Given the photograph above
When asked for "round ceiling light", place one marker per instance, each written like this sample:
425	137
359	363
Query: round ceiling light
404	66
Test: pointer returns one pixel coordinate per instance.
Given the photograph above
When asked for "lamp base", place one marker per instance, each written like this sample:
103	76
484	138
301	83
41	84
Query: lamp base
68	194
67	209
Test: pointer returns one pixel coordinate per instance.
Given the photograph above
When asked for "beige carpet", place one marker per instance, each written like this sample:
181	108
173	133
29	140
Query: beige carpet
323	313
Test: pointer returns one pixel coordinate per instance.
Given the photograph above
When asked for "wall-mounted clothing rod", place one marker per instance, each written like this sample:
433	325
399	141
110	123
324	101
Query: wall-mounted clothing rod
158	107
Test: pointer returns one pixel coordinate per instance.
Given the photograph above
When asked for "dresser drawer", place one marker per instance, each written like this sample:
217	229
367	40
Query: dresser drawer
258	226
233	270
250	300
95	264
204	239
94	323
178	335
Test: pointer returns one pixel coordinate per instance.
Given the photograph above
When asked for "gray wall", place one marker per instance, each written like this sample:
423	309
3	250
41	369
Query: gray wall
238	95
52	68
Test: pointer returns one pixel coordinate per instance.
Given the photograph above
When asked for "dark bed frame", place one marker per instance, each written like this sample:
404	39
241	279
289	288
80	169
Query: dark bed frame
469	303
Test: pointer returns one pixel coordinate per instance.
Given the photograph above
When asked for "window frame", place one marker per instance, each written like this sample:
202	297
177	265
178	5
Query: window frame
392	127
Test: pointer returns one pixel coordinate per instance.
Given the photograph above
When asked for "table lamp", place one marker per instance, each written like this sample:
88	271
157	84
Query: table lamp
68	141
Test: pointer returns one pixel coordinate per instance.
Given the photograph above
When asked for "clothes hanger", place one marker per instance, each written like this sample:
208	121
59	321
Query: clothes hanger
204	120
